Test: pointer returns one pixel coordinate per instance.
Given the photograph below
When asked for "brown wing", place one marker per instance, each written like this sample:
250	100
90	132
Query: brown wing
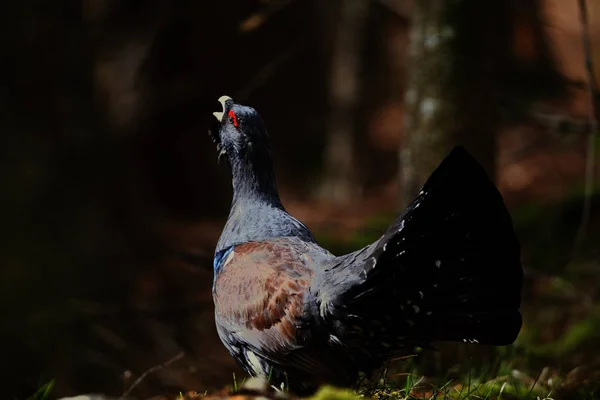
259	294
261	311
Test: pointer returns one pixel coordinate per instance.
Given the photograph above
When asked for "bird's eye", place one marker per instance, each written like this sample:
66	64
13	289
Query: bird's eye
233	118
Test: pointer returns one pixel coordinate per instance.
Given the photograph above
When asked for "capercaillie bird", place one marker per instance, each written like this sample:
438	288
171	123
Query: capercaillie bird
448	269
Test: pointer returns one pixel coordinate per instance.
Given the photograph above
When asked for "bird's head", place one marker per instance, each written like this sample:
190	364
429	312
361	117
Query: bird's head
240	132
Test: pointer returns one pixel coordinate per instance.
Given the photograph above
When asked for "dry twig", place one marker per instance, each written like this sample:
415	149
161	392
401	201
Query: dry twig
150	371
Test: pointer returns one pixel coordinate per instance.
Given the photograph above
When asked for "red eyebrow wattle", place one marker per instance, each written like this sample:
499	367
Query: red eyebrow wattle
232	115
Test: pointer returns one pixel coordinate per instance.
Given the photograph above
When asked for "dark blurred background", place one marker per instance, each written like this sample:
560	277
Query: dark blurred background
113	200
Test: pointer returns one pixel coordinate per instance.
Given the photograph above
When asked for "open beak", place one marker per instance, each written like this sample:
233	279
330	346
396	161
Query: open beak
219	114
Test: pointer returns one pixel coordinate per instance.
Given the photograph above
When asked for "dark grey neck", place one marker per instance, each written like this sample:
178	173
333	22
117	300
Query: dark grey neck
256	210
254	181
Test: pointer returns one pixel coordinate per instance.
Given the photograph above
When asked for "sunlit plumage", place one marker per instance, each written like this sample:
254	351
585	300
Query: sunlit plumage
448	269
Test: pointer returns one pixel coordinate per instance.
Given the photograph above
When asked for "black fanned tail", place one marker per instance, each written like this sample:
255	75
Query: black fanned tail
448	269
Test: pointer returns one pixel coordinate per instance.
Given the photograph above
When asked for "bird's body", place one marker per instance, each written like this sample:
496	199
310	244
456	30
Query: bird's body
448	269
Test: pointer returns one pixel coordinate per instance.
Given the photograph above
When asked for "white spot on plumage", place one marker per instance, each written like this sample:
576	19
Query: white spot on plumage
324	305
416	308
384	246
254	363
438	263
402	252
401	226
334	339
421	294
428	313
374	262
229	258
363	274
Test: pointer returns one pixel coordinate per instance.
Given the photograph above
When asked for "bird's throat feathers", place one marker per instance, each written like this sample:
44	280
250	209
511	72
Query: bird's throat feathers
253	179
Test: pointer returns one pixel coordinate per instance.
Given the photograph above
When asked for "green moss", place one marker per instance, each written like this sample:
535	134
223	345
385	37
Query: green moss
333	393
580	334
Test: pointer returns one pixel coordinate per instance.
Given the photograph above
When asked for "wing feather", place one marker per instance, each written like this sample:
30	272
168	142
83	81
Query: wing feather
260	302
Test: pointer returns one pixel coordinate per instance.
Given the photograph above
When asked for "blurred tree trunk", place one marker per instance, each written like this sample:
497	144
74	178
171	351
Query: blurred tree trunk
339	184
456	48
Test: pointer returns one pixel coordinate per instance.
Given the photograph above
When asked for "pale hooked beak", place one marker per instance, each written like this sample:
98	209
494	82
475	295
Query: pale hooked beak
219	114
